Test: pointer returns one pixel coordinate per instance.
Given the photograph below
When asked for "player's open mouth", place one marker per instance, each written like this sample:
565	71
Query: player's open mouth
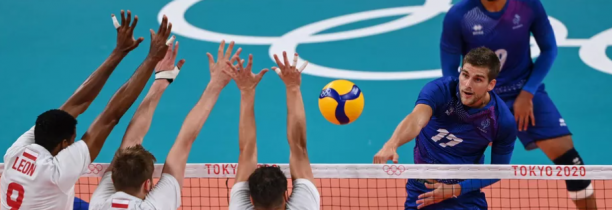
467	93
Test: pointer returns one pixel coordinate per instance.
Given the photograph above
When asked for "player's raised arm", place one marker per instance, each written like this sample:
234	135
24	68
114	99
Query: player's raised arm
141	121
177	158
299	163
128	93
89	90
407	130
246	81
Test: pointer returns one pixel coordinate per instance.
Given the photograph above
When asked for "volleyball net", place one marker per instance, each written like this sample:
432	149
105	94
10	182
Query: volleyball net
369	186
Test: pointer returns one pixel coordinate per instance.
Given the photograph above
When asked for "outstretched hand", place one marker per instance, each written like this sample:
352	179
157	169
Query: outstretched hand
218	67
385	154
288	72
158	40
167	63
523	111
125	32
245	79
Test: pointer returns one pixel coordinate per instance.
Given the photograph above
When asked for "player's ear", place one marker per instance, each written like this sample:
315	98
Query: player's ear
491	85
65	143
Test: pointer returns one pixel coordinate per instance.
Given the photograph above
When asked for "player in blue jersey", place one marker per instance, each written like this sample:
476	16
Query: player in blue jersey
505	26
454	121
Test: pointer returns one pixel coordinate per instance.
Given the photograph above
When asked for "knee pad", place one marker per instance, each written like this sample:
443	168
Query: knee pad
578	189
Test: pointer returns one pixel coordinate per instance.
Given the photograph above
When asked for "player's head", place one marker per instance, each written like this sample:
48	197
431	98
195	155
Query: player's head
478	72
132	170
55	130
268	187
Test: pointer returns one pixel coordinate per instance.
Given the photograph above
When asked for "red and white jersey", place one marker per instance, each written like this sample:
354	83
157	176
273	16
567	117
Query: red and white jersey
34	179
304	196
166	195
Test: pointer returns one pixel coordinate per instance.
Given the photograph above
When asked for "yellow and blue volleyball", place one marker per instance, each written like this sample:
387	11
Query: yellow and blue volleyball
341	102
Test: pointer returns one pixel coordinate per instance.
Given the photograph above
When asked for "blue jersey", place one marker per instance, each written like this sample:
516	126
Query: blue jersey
469	25
457	134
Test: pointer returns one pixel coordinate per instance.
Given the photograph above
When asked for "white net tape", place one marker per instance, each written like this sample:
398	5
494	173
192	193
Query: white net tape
399	171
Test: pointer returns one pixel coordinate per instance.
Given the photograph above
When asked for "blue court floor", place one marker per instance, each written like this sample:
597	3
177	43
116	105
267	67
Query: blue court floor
388	48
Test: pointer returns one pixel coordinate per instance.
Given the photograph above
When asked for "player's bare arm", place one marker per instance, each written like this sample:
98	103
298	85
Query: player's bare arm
246	81
299	163
141	121
177	158
89	90
407	130
128	93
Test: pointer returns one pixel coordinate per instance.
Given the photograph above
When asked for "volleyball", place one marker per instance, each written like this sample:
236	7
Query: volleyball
341	102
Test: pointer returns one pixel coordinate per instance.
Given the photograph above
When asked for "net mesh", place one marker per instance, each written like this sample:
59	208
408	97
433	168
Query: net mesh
367	186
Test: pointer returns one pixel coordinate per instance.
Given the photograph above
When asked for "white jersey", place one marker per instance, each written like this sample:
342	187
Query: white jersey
166	195
304	196
33	179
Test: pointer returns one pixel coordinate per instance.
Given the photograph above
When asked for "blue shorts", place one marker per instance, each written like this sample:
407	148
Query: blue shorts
548	120
80	204
471	201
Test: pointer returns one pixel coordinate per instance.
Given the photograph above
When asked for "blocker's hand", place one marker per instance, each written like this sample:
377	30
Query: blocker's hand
245	79
125	32
291	76
217	68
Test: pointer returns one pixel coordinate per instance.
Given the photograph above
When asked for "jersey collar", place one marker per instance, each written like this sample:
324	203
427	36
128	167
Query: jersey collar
40	149
494	15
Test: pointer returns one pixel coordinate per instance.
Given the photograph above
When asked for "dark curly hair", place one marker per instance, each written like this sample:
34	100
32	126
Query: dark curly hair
268	186
52	127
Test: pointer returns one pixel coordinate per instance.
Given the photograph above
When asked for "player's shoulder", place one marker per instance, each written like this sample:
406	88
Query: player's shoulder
445	85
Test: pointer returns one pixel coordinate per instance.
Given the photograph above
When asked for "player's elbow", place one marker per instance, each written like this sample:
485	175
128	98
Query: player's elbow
550	49
248	150
109	120
299	149
554	50
75	109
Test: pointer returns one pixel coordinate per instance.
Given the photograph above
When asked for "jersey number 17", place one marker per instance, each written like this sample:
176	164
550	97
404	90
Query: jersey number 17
444	134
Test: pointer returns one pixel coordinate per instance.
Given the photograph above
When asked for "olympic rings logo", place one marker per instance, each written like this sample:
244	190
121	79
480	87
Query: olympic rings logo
394	169
94	168
592	51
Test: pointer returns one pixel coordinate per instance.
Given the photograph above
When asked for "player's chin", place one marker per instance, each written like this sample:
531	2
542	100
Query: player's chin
467	101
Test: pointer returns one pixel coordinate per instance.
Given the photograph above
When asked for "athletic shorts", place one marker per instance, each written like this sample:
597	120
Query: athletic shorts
470	201
549	122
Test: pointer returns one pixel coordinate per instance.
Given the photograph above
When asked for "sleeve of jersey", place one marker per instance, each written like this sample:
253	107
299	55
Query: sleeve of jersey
25	139
166	194
433	94
304	196
104	191
545	37
71	163
501	153
240	197
451	43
